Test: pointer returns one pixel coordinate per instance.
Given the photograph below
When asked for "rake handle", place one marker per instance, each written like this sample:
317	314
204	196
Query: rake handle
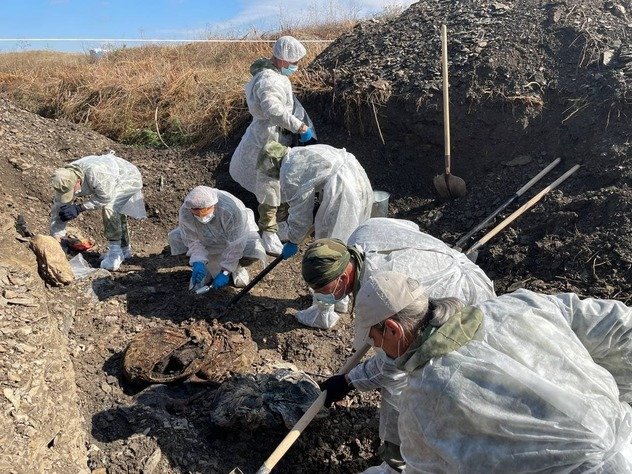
308	416
518	193
446	98
530	203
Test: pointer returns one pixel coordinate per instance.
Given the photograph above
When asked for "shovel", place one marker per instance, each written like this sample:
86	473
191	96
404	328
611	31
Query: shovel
472	252
301	424
518	193
446	184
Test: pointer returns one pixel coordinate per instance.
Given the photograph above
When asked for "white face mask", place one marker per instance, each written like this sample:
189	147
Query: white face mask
205	219
329	298
379	351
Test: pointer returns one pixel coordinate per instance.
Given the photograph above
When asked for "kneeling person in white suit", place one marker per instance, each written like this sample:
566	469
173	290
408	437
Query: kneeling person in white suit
219	235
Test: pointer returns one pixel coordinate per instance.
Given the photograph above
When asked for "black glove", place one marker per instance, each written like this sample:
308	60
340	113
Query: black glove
337	388
68	212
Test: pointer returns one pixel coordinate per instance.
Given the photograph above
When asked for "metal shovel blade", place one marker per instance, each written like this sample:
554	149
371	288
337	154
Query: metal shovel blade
236	471
449	186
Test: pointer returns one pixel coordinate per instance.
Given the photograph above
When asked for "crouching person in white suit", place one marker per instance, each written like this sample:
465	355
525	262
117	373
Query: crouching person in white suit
219	235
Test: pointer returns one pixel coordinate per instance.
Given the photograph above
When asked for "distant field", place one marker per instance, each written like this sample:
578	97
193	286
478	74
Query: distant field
187	94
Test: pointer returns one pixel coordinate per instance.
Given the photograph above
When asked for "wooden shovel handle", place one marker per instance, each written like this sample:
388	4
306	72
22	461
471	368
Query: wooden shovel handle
527	205
446	97
307	417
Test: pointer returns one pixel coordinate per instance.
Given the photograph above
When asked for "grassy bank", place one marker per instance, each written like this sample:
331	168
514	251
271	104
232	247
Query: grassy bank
149	95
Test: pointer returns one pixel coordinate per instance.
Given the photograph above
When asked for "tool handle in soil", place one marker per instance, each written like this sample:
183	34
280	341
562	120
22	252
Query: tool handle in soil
518	193
530	203
254	281
307	417
446	97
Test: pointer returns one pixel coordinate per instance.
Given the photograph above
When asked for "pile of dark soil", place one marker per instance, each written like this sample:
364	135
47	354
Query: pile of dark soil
529	80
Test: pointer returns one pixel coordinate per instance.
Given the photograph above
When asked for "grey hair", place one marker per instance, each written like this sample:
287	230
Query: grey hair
421	312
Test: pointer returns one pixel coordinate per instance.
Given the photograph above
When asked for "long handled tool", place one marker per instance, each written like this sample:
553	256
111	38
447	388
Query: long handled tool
253	282
518	193
447	185
309	415
472	252
245	289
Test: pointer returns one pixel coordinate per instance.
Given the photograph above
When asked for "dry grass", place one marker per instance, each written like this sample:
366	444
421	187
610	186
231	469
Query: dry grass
183	94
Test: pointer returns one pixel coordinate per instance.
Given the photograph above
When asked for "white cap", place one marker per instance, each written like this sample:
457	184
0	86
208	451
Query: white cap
380	297
201	197
288	49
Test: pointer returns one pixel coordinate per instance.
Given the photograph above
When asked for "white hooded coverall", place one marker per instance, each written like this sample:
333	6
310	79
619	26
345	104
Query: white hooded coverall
111	183
230	235
541	387
271	103
343	188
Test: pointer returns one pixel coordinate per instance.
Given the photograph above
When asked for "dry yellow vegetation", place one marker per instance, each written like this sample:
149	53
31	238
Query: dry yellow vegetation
186	94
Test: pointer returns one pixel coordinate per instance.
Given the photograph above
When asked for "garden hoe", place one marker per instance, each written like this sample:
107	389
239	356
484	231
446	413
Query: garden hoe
307	417
472	252
447	185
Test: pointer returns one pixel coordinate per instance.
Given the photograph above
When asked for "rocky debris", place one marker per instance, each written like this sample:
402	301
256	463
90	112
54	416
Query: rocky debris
52	263
40	424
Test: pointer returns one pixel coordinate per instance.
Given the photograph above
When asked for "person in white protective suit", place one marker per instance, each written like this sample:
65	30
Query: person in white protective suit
334	270
317	173
276	115
108	183
219	235
524	382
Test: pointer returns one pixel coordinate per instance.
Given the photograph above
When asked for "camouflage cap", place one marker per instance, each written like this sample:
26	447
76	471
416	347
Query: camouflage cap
64	181
324	261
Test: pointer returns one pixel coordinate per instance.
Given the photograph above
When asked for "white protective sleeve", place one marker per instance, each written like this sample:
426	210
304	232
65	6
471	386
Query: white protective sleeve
271	103
226	234
524	395
272	92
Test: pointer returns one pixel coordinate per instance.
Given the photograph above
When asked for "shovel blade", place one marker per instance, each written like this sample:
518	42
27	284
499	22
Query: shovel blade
449	186
236	471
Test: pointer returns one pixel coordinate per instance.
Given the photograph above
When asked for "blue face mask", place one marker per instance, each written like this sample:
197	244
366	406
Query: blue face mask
329	298
288	71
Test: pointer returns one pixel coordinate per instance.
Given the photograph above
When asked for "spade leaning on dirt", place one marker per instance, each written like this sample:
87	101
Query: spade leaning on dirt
577	240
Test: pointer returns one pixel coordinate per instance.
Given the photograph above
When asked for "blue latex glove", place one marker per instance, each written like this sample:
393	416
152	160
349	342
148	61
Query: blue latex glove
68	212
289	250
198	272
221	280
306	136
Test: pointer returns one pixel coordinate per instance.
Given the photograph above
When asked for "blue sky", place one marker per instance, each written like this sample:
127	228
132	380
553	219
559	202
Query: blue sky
162	19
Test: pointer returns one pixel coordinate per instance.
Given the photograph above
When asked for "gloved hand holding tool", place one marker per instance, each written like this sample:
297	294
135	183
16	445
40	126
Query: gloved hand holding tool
221	279
289	250
68	212
309	415
337	388
198	273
